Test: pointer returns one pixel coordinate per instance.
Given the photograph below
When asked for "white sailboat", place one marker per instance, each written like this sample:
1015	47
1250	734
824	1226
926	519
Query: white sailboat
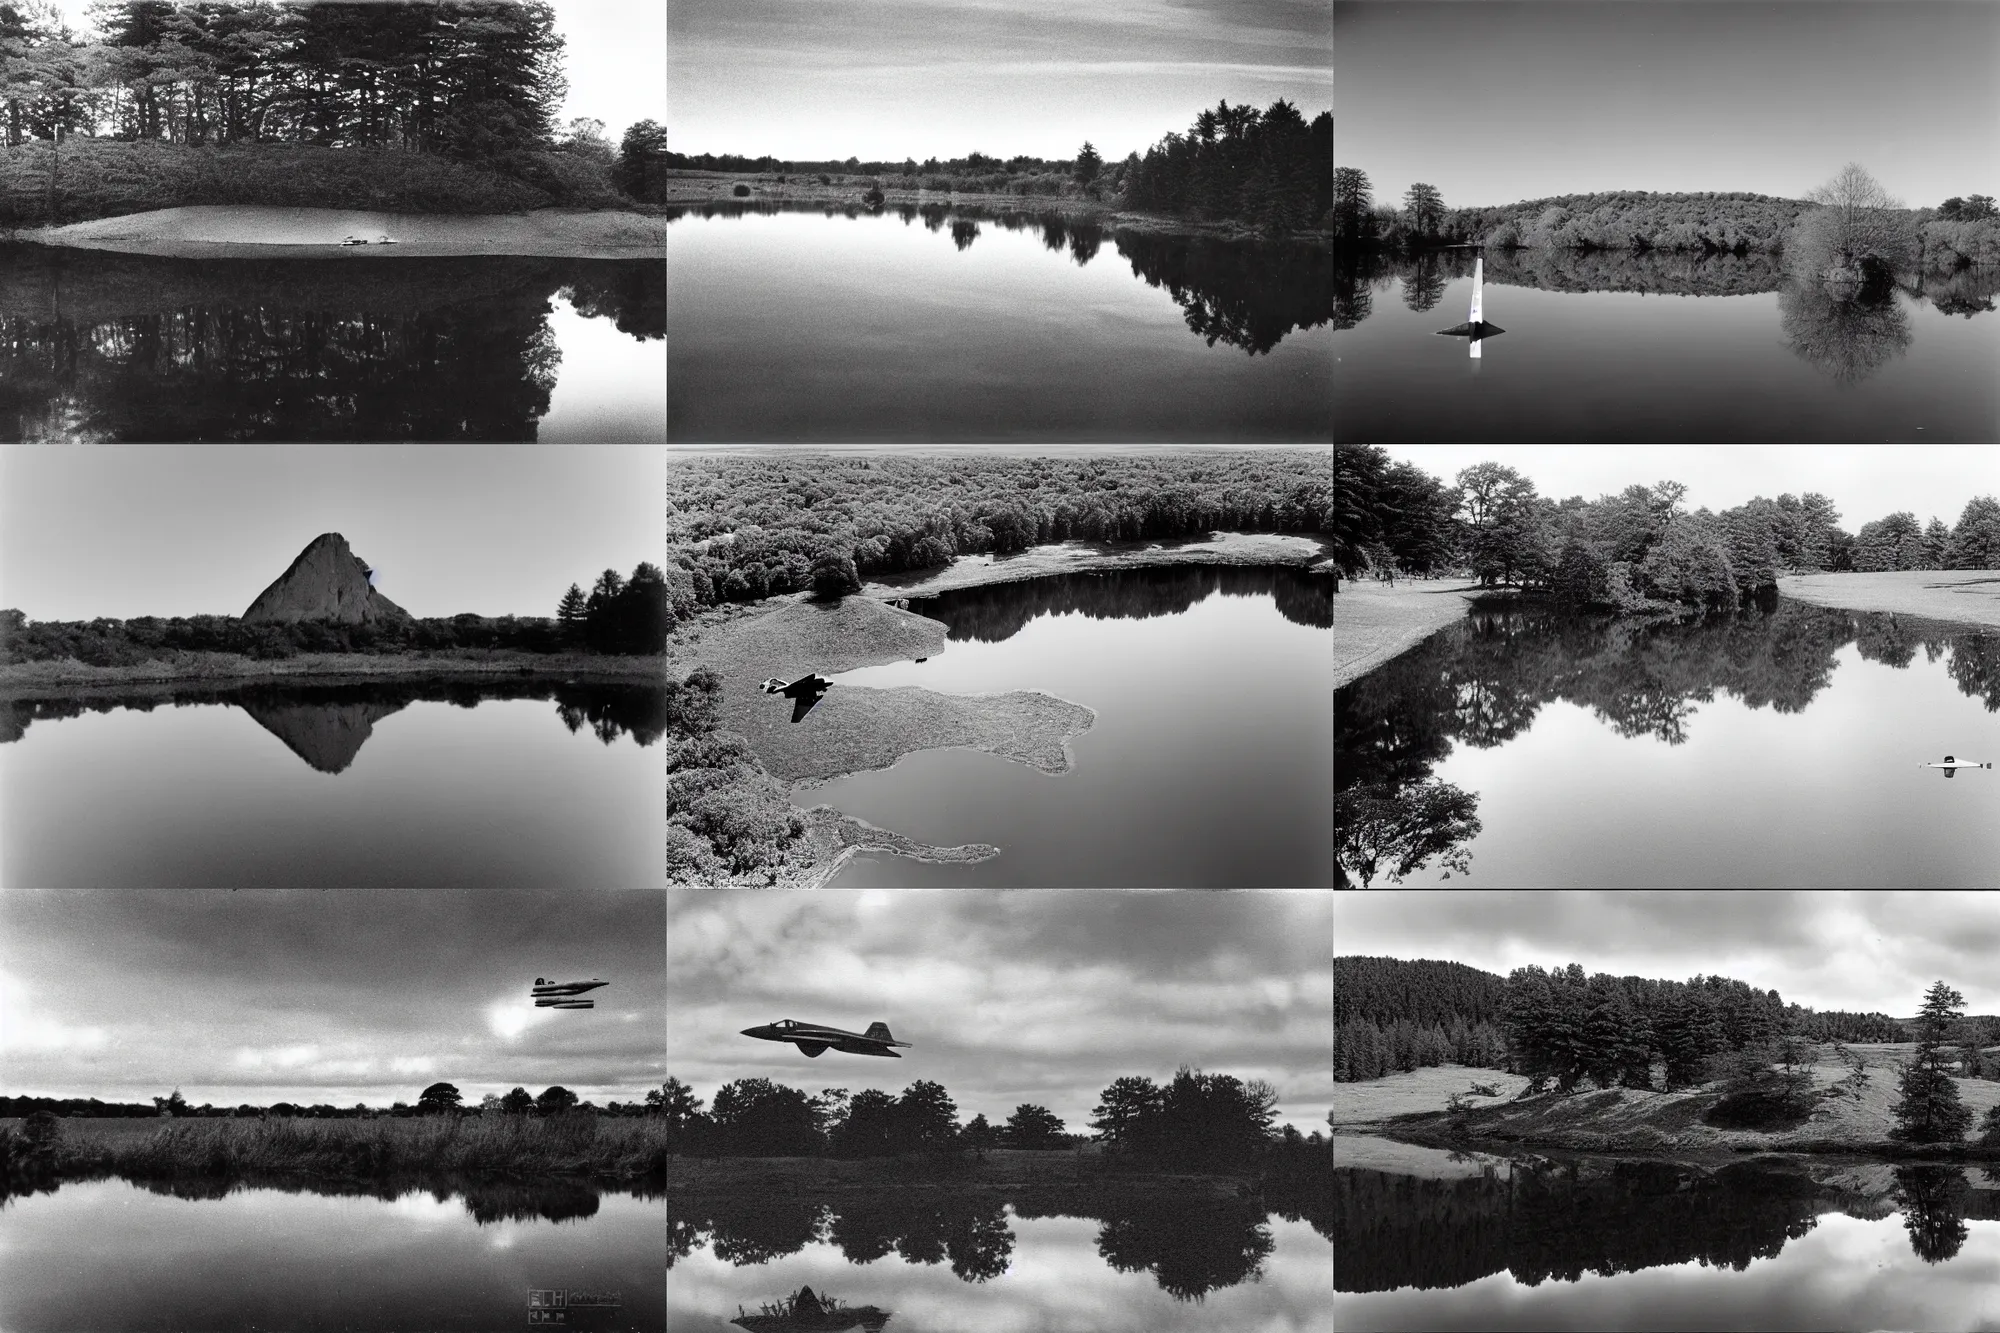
1475	328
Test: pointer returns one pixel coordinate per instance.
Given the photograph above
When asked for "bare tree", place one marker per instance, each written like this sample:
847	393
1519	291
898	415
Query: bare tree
1856	220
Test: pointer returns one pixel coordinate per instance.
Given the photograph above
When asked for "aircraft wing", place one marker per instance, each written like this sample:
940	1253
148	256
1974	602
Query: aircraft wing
803	704
812	1048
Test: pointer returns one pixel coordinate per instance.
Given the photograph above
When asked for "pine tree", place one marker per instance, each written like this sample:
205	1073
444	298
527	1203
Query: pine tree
570	611
1929	1110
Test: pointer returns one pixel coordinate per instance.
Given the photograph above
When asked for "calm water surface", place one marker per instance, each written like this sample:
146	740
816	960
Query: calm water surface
1209	763
929	326
949	1266
99	346
396	784
1779	747
1433	1240
1608	346
111	1257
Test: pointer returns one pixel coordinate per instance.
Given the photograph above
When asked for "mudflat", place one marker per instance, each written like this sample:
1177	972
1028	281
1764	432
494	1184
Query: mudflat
1966	596
1373	622
221	231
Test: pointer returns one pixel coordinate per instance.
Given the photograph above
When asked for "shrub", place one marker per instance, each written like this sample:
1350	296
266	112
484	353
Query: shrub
1989	1128
741	191
825	179
873	196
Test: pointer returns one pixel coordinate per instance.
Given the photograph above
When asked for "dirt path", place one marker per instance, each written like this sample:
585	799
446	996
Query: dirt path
1965	596
1373	622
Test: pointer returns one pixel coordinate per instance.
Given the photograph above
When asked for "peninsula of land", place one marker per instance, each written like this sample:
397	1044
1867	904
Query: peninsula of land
1962	596
1374	622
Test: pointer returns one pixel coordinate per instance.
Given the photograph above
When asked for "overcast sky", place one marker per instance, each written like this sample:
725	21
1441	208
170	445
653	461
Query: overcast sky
1008	997
889	79
311	996
1864	481
1868	952
614	54
1499	102
177	530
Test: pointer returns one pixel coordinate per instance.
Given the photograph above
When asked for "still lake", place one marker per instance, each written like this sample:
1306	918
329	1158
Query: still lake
1608	346
1209	764
1432	1240
401	783
934	325
112	1257
1780	747
98	346
945	1265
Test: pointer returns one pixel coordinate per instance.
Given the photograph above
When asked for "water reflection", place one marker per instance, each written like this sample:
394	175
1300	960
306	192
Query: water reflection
1245	294
327	724
1850	336
1190	1245
997	612
104	346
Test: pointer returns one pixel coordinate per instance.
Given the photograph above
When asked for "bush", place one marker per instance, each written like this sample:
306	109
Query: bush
825	179
741	192
834	576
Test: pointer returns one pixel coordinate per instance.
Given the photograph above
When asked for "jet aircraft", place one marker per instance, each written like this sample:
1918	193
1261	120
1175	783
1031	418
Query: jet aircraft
563	994
812	1038
804	692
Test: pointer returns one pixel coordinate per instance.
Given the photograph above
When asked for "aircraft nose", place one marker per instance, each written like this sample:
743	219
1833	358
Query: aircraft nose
753	1032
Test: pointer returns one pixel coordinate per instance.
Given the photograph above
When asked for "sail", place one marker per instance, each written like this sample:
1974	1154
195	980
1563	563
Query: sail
1478	286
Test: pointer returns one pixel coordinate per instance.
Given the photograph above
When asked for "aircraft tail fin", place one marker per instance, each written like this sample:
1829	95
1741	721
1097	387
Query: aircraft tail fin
878	1032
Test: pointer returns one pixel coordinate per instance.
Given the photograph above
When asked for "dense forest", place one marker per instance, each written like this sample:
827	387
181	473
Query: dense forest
741	529
1485	679
1638	550
1394	1015
1959	233
618	615
1268	169
727	817
415	88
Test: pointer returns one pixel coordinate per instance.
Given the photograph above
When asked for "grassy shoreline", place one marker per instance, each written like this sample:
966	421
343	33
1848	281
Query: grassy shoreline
1955	596
1374	622
998	1170
67	677
255	231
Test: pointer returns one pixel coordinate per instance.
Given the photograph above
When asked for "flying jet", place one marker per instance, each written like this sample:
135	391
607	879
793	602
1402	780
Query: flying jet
804	692
563	994
812	1038
1475	328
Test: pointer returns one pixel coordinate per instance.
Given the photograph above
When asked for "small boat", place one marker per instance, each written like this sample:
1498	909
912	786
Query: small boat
354	240
1476	328
383	240
1959	763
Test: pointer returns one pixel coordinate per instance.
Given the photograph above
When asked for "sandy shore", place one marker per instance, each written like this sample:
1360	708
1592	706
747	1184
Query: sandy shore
1373	622
1221	548
70	677
222	231
1965	596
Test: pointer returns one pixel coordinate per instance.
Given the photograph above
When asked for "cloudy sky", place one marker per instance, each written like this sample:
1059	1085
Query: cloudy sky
1868	952
614	54
1008	997
1498	102
338	997
179	530
889	79
1865	482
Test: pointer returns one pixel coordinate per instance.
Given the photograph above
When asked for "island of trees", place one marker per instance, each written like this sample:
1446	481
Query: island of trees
1265	169
1635	551
446	107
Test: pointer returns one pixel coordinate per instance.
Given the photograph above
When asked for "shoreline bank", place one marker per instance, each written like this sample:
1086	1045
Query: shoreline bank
1075	557
261	231
1374	622
1956	596
67	677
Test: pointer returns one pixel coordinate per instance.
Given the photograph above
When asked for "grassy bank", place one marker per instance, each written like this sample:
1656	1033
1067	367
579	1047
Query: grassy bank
265	232
68	677
997	1171
1962	596
102	178
1373	622
606	1149
1076	557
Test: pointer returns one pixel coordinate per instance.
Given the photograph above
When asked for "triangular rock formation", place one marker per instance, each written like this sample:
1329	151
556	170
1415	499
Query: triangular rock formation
325	735
327	582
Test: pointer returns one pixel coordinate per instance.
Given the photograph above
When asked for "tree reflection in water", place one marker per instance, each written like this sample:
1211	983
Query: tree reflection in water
1190	1245
999	611
1933	1200
1482	681
103	346
1247	294
553	1199
1849	337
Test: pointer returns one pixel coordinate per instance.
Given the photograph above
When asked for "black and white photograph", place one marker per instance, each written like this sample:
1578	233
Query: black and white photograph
337	667
1692	1110
294	1110
1737	221
939	1111
1016	667
1666	666
947	221
291	220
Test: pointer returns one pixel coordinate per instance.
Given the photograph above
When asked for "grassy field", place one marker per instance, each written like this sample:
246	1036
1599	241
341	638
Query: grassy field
1626	1119
1965	596
611	1149
1373	622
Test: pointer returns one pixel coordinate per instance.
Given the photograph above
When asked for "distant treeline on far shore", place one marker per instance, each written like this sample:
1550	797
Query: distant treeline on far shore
1394	1015
437	1099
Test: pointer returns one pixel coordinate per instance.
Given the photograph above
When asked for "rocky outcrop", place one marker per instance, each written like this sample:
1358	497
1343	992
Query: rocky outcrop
327	582
325	735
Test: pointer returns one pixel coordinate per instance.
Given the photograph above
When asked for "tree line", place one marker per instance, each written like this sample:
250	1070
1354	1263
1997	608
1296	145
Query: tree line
1194	1118
437	1099
619	616
743	529
1633	551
